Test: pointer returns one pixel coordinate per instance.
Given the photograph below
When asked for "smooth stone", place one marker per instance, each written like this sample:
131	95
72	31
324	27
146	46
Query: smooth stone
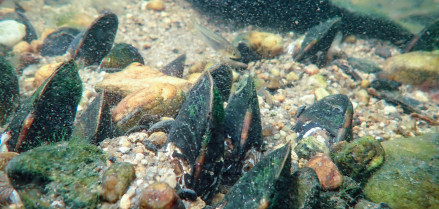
267	44
158	138
135	77
11	32
321	93
359	158
329	176
116	181
417	68
54	168
160	195
364	65
160	99
409	177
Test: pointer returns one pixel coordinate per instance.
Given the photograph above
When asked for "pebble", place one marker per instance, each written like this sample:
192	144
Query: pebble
308	99
124	150
156	5
311	69
125	202
292	76
320	93
327	172
390	110
11	32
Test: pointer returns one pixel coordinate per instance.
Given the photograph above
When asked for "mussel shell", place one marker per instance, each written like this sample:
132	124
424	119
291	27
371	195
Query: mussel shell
198	132
119	57
9	90
267	185
222	77
245	133
49	115
176	67
332	113
95	123
318	40
92	45
57	42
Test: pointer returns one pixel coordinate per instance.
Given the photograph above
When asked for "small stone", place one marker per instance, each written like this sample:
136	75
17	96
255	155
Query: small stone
156	5
151	103
364	83
327	172
193	78
22	47
308	147
308	99
158	138
320	93
43	73
117	180
362	96
389	110
124	150
311	69
160	195
318	80
125	202
275	72
11	32
292	76
279	97
274	83
267	44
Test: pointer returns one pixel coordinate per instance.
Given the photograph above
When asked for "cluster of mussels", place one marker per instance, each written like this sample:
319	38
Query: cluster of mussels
219	142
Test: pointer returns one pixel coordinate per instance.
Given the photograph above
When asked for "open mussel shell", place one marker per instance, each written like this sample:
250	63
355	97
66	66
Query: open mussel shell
119	57
93	44
332	113
318	40
267	185
9	90
95	123
175	67
198	133
426	40
243	125
50	113
57	43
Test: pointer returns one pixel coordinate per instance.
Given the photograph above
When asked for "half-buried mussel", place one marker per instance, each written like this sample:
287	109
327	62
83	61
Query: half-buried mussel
198	134
57	42
93	44
268	185
318	40
243	130
332	114
49	115
95	123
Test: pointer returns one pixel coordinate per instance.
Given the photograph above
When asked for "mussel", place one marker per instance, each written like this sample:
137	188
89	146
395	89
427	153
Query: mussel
9	90
49	115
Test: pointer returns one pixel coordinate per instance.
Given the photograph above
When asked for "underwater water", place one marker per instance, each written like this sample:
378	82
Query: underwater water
219	104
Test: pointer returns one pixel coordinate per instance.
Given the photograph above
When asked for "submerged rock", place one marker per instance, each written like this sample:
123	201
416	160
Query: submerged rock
410	176
360	158
68	170
160	195
417	68
267	44
327	172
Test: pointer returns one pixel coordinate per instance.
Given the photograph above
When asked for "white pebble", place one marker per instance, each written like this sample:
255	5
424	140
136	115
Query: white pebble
139	157
125	202
308	99
390	110
11	32
124	150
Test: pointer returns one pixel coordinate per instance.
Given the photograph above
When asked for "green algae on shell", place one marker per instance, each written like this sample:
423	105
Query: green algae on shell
119	57
267	185
198	133
9	90
49	115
